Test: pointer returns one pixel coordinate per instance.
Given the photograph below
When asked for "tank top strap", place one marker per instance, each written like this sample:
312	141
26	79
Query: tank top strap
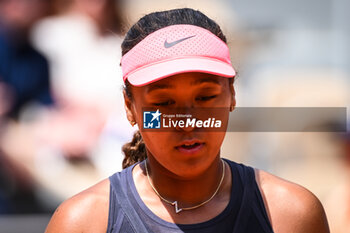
258	206
252	203
119	201
113	207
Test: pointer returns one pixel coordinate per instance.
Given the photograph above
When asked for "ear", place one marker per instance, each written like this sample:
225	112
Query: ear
128	106
233	96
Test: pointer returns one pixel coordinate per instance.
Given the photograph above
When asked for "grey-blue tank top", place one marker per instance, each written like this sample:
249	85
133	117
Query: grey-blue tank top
245	212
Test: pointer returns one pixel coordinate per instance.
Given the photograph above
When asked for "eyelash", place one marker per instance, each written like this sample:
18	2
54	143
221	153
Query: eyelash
202	98
206	98
164	103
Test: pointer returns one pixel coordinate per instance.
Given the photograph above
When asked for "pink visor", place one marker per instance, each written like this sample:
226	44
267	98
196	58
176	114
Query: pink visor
176	49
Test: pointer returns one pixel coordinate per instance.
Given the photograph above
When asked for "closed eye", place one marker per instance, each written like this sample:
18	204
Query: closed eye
165	103
206	98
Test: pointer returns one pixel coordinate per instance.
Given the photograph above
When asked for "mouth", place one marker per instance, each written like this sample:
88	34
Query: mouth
190	147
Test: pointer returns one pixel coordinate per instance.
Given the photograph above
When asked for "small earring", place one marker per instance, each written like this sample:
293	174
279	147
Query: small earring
133	123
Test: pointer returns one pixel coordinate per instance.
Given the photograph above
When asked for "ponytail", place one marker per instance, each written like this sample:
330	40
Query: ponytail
135	151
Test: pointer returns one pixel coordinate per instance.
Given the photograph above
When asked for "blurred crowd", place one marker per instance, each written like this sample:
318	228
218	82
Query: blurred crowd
61	105
62	120
24	79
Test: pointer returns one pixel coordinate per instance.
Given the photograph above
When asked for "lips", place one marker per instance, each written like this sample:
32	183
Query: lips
190	146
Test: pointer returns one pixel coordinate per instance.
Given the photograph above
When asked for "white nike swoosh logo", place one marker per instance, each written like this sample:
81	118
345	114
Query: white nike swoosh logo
171	44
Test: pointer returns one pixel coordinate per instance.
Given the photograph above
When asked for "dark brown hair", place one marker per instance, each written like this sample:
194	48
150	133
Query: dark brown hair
135	151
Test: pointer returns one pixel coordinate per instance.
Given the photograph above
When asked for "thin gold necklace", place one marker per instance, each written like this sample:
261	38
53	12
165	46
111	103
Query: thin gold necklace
175	204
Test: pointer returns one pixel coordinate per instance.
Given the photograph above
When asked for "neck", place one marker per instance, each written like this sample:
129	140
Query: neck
187	191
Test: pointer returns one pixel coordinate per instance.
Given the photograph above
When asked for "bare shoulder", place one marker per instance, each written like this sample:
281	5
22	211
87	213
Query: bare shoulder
291	207
84	212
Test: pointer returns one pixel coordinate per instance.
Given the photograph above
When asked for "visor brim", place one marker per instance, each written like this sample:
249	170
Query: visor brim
157	71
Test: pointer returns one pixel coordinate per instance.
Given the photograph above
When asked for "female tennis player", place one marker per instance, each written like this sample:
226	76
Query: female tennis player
175	64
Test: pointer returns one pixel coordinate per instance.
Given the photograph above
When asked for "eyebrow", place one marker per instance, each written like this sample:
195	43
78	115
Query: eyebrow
158	86
155	87
206	80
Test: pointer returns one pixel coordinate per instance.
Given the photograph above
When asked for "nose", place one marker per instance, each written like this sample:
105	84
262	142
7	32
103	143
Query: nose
186	128
186	115
185	105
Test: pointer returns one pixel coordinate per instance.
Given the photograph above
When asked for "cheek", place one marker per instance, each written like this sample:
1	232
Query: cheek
227	99
215	140
226	96
156	142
